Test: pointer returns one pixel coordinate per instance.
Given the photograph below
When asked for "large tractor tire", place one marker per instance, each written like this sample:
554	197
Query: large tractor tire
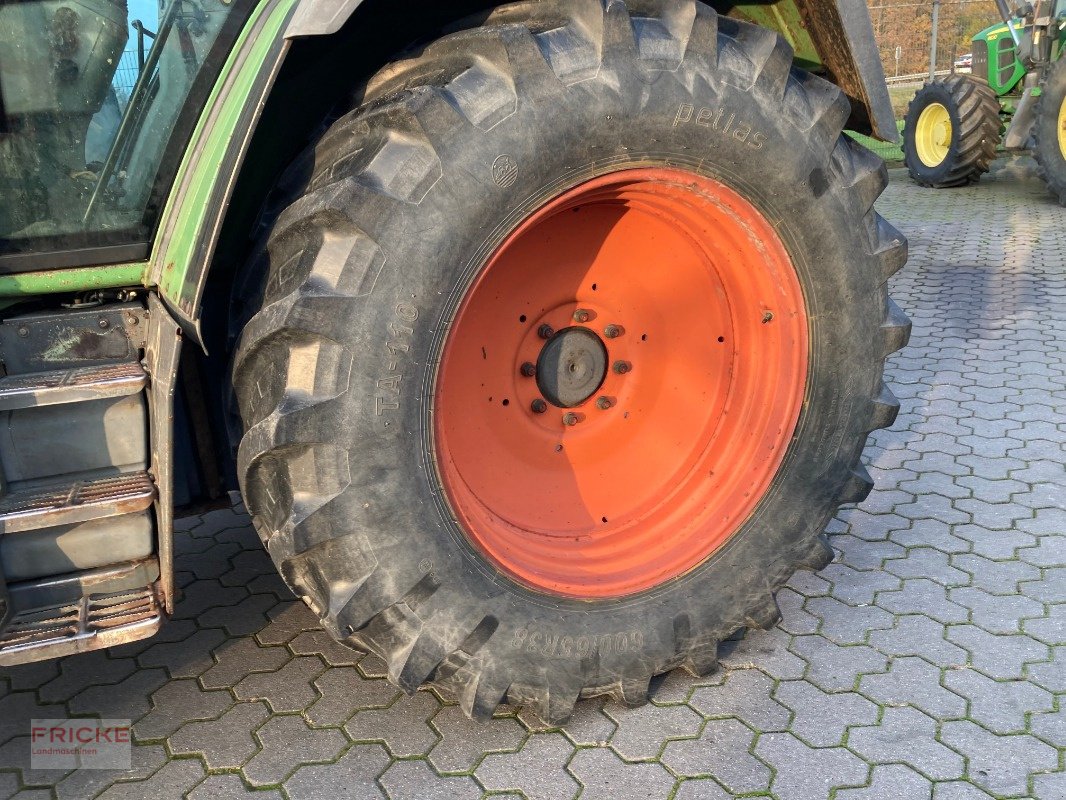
569	342
1049	130
951	132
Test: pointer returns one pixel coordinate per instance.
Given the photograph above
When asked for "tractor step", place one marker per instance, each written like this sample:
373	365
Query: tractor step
71	385
88	623
75	502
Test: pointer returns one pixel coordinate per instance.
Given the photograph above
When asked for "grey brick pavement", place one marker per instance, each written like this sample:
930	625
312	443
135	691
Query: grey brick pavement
928	662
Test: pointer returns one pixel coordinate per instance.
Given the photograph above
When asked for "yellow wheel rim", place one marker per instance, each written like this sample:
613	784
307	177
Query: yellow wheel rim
1062	128
932	135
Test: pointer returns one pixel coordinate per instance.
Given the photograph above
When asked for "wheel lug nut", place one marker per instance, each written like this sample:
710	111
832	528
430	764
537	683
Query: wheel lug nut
570	418
622	367
538	406
767	316
529	369
613	331
582	315
545	331
604	403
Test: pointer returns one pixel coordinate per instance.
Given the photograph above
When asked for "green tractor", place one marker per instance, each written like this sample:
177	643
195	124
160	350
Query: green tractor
954	125
542	339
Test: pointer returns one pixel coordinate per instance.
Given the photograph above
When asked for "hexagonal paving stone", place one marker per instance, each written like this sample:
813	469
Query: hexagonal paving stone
16	711
353	775
416	780
228	787
288	689
238	658
806	773
918	635
915	682
1050	786
743	695
1000	764
588	725
833	667
1002	656
225	743
959	790
463	743
820	718
176	703
538	770
604	777
891	782
701	789
187	658
1050	629
845	624
286	743
1000	706
907	736
91	669
172	780
921	596
996	613
723	751
343	691
403	726
642	731
763	650
145	760
125	700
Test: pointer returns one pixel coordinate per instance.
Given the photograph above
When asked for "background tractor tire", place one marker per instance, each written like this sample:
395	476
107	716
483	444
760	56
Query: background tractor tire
389	219
951	132
1049	130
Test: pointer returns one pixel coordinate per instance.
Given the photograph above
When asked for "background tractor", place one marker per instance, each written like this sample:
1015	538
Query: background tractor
954	125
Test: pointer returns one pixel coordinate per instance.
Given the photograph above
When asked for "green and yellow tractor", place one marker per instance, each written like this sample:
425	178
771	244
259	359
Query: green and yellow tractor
542	339
955	125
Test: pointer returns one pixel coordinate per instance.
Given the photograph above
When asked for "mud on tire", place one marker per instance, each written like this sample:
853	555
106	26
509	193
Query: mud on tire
389	217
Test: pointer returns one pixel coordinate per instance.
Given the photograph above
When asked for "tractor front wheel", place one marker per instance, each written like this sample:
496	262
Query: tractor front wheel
951	132
1049	130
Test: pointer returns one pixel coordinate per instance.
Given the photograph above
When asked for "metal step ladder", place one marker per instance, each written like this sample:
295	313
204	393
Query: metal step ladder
89	608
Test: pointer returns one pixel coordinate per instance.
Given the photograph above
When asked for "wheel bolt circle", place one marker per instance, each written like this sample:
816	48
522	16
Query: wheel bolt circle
545	331
570	418
613	331
529	369
538	406
622	367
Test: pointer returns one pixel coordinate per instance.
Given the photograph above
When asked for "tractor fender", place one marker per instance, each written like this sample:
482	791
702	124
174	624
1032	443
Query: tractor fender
840	30
200	199
320	17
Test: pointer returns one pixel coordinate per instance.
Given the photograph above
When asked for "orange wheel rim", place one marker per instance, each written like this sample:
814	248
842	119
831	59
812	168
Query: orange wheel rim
619	386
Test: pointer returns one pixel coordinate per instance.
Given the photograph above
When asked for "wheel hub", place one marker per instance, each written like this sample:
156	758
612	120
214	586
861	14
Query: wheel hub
933	136
571	367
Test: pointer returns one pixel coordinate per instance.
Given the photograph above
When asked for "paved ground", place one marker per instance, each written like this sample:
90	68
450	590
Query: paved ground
928	661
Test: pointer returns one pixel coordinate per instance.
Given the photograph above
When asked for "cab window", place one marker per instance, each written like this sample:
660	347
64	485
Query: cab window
98	99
